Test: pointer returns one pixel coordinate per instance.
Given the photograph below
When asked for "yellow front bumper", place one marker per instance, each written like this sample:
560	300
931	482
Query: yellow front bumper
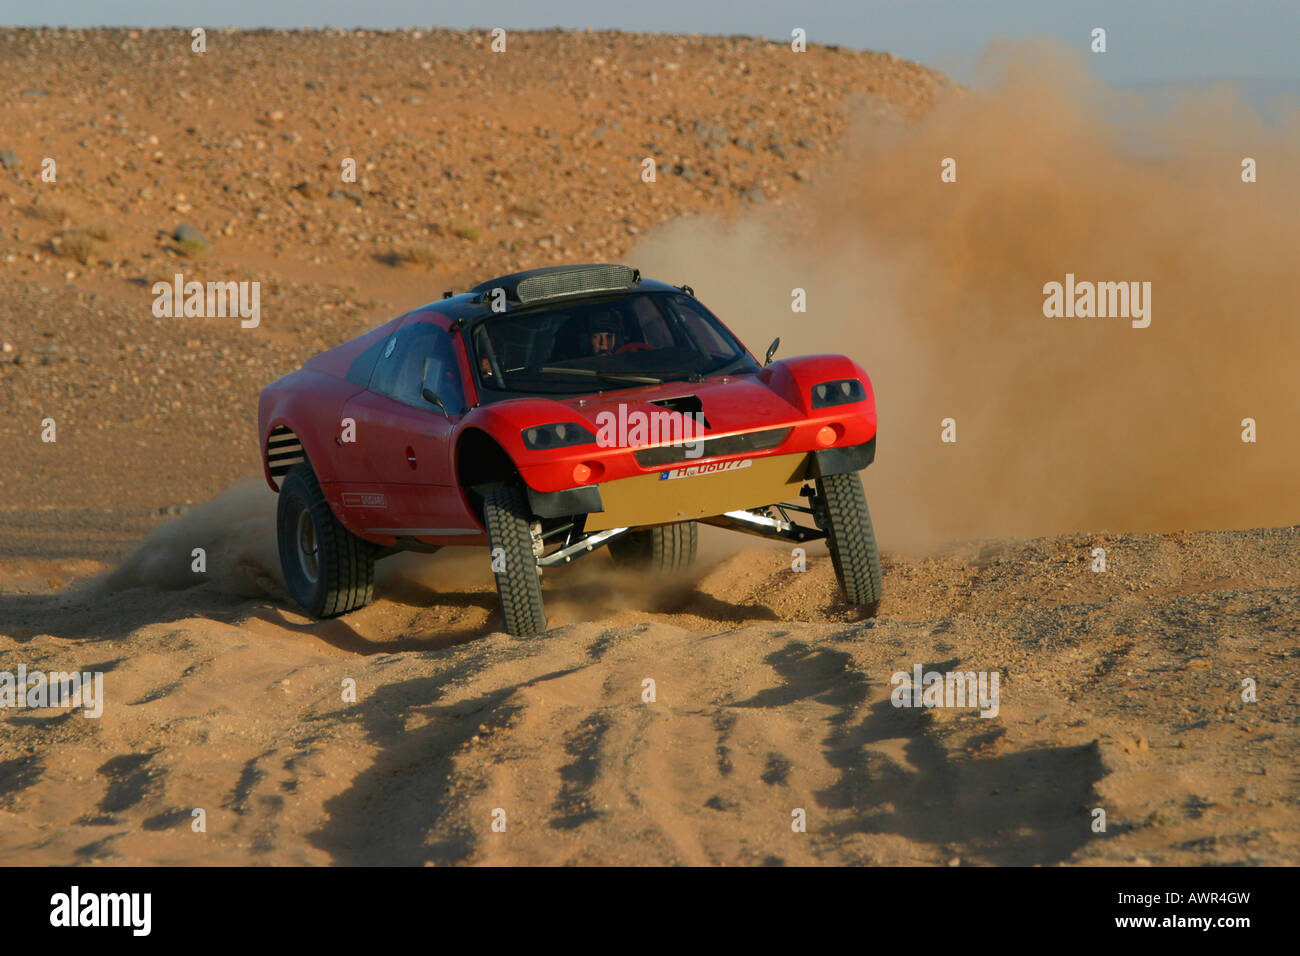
687	491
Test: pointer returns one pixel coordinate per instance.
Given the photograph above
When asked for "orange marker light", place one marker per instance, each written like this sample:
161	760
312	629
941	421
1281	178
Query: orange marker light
826	435
581	473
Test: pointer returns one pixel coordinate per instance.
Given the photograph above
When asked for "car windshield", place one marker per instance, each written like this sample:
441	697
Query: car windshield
592	346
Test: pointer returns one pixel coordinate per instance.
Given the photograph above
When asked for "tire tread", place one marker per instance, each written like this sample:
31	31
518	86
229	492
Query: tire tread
519	587
347	563
851	539
663	549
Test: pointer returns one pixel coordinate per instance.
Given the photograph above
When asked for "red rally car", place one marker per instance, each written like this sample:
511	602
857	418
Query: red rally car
547	413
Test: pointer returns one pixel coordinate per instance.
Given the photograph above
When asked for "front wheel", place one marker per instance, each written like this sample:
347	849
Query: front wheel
514	561
328	569
851	539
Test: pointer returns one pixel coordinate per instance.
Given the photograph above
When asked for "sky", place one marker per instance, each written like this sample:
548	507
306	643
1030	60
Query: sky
1148	41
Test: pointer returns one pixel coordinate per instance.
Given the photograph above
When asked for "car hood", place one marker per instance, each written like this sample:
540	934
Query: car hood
734	403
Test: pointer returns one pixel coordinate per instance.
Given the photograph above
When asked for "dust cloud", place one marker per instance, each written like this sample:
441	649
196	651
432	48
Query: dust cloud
236	531
937	290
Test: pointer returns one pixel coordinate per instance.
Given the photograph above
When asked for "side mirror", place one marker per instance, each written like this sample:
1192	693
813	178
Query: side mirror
432	398
771	350
427	391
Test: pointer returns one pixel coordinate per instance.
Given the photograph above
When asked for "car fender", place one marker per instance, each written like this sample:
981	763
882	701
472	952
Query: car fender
794	378
309	403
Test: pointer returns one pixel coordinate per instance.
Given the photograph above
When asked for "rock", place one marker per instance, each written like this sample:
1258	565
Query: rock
9	159
745	143
39	94
710	132
777	147
187	233
754	195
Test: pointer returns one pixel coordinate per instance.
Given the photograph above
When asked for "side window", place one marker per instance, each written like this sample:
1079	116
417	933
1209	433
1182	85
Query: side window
423	354
363	366
384	378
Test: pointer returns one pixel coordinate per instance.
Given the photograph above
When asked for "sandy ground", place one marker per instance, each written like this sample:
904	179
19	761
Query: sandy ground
1120	690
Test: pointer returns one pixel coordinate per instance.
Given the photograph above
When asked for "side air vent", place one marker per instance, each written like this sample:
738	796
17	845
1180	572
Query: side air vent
283	451
713	447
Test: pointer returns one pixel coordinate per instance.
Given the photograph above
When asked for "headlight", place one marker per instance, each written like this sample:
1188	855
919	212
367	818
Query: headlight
843	392
558	435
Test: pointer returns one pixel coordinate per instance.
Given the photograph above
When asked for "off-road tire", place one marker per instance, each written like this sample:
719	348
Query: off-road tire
519	585
664	549
851	539
344	564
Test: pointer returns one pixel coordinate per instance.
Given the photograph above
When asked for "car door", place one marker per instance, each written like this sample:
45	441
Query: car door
403	441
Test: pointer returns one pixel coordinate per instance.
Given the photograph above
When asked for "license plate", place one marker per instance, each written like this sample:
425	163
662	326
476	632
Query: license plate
711	468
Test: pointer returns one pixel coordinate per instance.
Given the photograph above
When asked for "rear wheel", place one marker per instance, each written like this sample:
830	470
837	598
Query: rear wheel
514	561
328	569
664	549
851	538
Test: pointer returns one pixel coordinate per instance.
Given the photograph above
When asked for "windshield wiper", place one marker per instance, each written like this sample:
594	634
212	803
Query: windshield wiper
603	376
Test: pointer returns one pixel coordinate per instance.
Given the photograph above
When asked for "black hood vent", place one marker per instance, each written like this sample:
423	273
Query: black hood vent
685	404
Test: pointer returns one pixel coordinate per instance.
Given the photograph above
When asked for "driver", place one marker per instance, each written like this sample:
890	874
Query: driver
603	334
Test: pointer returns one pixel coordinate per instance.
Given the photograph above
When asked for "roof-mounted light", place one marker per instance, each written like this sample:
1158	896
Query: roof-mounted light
580	281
